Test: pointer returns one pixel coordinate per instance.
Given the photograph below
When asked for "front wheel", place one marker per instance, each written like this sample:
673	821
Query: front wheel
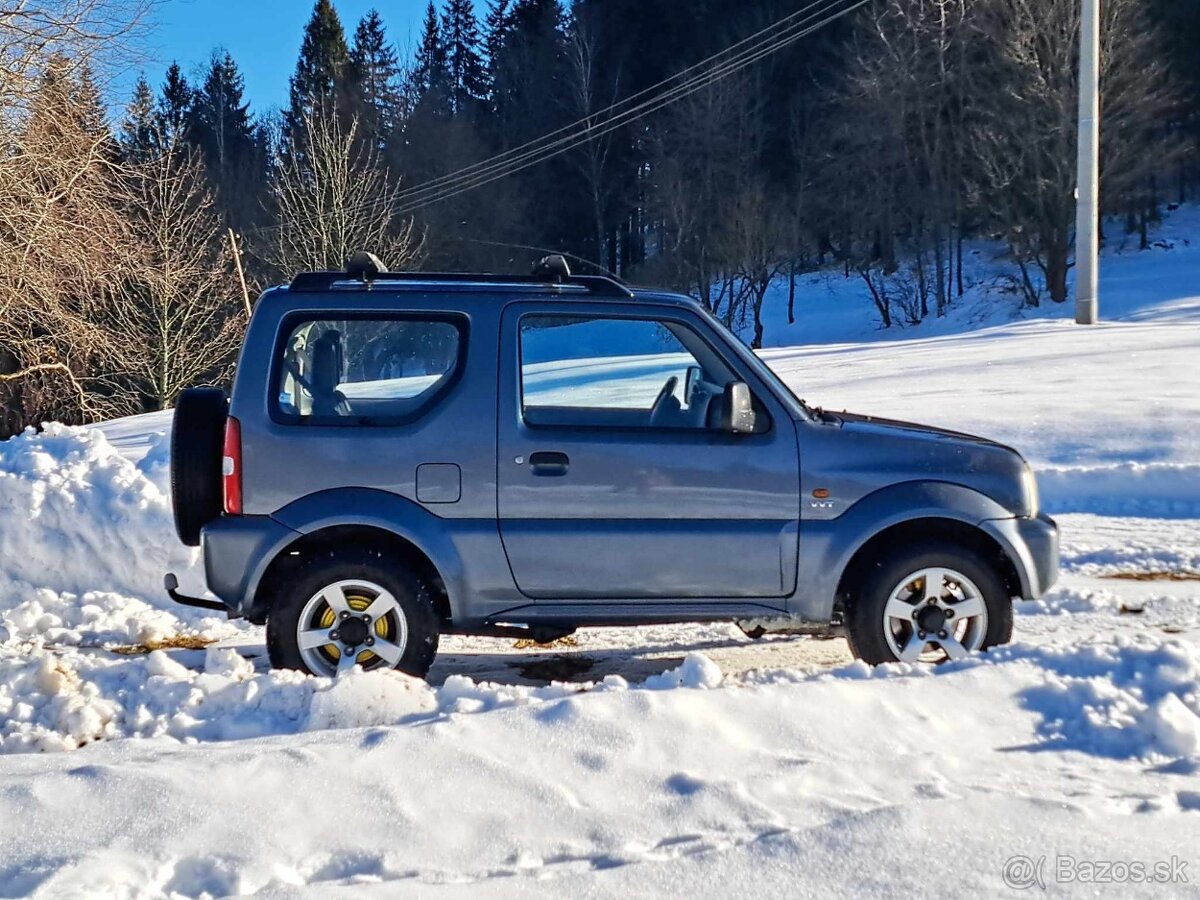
928	603
352	607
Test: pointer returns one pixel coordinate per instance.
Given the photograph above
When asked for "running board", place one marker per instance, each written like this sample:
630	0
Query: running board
539	634
171	583
573	614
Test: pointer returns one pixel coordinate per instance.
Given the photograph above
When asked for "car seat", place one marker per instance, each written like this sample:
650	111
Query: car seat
325	376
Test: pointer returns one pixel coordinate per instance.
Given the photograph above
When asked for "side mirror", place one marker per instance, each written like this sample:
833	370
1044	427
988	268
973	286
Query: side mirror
694	374
737	414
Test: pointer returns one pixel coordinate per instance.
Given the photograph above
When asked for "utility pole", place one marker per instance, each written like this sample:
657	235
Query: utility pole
1087	223
237	261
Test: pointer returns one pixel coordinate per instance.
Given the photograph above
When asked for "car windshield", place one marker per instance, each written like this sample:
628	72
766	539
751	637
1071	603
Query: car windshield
764	371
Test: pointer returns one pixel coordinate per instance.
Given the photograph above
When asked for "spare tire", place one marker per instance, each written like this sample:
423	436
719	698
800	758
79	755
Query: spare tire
197	445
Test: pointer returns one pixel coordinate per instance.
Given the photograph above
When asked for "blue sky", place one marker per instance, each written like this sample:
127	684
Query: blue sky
263	36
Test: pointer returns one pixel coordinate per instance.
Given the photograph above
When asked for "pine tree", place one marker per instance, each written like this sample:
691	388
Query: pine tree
495	29
374	74
529	100
220	118
319	82
140	138
174	106
89	103
528	70
221	126
464	60
431	77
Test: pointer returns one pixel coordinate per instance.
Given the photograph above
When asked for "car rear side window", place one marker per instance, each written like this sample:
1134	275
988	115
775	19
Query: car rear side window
368	371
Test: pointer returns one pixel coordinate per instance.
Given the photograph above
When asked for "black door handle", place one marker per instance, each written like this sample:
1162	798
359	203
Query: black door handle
548	462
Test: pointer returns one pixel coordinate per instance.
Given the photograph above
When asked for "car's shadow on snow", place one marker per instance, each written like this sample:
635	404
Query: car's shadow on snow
544	667
499	661
540	666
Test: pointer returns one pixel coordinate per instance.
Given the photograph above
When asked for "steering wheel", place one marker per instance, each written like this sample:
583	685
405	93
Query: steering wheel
668	390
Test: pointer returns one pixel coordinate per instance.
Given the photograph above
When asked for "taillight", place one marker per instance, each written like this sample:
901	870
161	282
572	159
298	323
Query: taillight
231	467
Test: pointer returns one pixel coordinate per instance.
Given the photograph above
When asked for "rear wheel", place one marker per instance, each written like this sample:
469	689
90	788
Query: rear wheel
197	442
352	607
928	603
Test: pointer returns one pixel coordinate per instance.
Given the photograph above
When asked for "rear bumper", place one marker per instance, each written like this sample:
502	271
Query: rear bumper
237	551
1032	545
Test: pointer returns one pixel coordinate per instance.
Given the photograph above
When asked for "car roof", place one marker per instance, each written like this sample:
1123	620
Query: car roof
465	291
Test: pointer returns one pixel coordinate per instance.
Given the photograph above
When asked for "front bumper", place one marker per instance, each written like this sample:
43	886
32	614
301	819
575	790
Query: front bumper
1032	545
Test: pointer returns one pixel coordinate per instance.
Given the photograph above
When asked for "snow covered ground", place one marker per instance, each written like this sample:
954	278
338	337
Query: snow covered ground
660	761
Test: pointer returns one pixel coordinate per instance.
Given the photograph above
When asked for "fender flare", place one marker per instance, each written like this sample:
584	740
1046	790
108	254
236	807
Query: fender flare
368	508
833	543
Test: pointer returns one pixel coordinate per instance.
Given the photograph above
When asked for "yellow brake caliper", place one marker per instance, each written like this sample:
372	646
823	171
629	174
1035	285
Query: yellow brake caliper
358	603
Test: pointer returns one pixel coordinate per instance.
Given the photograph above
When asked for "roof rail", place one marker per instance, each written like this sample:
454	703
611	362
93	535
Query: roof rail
550	273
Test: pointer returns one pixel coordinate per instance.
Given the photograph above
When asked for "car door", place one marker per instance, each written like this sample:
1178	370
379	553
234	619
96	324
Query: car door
612	484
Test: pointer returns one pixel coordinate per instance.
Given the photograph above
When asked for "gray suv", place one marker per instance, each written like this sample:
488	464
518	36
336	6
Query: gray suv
406	456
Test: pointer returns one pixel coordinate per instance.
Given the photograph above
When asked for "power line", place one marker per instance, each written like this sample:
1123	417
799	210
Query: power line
471	182
585	123
546	250
476	176
784	32
416	197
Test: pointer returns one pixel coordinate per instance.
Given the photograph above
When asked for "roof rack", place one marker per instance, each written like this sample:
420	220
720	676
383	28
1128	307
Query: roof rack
550	272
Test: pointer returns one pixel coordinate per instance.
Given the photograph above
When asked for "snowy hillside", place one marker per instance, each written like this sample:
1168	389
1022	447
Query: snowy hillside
675	760
1161	284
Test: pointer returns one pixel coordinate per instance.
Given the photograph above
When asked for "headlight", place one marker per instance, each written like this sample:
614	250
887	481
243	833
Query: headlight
1029	482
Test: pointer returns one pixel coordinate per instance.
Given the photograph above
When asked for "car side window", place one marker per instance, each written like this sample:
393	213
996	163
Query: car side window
620	372
374	371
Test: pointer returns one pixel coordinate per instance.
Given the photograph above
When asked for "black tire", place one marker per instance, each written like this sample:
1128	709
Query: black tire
342	564
867	600
197	445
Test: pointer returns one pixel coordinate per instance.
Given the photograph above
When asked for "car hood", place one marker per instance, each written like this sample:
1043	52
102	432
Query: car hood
861	424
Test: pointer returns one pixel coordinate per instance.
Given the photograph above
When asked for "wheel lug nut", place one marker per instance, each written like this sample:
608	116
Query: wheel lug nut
921	635
942	634
345	615
333	635
365	617
949	614
370	642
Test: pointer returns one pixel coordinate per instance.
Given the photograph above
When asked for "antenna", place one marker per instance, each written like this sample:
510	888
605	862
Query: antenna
552	268
365	266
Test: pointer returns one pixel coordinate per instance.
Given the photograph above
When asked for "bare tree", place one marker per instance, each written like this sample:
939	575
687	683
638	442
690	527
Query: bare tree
80	32
177	308
1026	141
62	242
334	199
589	93
699	146
754	245
902	121
61	235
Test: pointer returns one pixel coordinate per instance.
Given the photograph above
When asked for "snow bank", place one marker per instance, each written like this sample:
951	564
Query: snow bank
55	701
78	516
85	537
1159	490
1117	697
